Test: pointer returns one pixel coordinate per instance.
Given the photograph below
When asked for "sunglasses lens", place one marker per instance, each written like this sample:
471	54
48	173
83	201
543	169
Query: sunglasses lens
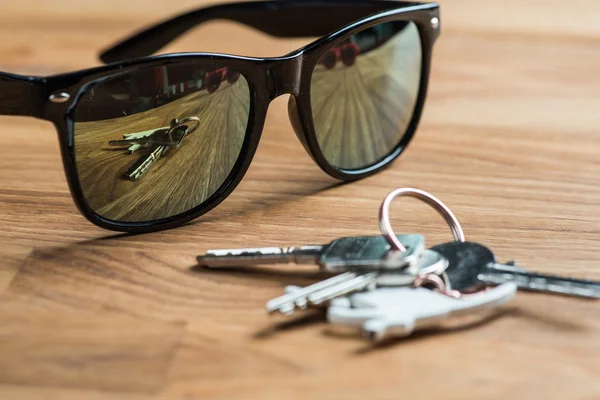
159	141
349	54
362	108
329	60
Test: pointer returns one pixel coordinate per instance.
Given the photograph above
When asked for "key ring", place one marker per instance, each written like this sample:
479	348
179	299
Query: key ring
184	122
435	203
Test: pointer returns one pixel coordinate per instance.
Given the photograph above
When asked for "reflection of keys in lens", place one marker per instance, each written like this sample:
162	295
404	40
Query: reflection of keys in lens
137	140
143	164
158	143
169	137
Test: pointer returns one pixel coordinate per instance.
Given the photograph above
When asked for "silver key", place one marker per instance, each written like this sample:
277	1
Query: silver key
287	303
430	262
341	255
143	164
157	141
321	292
356	284
472	265
171	136
135	141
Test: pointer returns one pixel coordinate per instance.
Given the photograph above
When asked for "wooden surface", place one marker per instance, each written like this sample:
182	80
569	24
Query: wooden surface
362	111
181	179
509	140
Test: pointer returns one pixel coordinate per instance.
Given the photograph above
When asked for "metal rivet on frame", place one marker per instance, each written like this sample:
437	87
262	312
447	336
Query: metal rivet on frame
60	97
435	22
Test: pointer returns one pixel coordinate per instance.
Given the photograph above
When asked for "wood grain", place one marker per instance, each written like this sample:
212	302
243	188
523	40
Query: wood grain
509	140
180	180
361	112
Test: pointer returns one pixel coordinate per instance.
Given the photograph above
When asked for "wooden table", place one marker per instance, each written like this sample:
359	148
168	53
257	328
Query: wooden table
509	140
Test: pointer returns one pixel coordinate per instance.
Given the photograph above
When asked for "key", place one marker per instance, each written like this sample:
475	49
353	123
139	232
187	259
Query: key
162	136
430	262
166	136
356	284
355	280
368	252
287	303
472	265
160	141
137	140
143	164
399	311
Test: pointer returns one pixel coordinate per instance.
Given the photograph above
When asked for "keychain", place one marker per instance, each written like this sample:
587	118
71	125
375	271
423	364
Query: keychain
392	284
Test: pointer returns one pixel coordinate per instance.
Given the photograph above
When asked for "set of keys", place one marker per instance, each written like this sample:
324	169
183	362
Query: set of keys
392	284
156	141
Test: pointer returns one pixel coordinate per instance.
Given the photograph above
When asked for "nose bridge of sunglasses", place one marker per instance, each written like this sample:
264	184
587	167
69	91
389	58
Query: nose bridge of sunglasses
296	122
283	76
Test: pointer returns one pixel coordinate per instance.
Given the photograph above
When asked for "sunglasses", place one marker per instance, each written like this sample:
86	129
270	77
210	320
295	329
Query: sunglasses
149	143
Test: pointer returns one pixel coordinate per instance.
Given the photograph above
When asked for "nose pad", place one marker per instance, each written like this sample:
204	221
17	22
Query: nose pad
297	122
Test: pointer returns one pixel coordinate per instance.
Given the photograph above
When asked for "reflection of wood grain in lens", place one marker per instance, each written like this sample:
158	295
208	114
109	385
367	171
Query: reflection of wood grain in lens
180	180
361	112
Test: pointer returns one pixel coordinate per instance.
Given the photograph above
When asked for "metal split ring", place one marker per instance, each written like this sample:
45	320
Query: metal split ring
186	122
435	203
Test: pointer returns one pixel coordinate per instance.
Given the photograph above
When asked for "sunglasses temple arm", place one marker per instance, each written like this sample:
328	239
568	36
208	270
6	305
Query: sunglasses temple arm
283	18
21	95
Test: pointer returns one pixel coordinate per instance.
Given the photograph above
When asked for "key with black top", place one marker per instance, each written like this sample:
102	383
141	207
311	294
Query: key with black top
341	255
472	265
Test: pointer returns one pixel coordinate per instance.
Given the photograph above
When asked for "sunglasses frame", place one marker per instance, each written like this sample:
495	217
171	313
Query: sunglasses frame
55	98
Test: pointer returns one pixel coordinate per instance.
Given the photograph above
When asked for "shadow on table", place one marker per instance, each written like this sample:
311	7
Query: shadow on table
95	266
244	209
305	319
434	331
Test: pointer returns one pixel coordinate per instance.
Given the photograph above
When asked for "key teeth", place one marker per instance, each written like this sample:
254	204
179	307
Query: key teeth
287	310
291	289
301	304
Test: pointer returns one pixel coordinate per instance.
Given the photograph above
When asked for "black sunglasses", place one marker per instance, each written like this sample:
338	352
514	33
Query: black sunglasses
151	143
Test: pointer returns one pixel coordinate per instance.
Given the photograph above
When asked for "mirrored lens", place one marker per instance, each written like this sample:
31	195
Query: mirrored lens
364	92
157	142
